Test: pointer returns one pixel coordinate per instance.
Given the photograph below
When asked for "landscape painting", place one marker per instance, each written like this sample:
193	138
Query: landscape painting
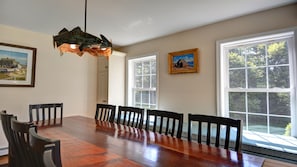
17	65
185	61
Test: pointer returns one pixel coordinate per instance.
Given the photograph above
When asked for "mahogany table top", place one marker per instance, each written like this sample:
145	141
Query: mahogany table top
85	142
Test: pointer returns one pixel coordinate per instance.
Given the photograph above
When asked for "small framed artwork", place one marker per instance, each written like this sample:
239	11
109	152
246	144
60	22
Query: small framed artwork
17	65
185	61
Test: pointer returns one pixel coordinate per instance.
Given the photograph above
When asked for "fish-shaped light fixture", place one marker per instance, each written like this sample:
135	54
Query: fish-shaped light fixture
78	42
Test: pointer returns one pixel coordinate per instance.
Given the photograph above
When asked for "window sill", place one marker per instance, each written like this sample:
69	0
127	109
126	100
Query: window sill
271	146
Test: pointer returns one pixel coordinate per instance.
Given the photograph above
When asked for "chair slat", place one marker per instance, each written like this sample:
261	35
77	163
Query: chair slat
218	135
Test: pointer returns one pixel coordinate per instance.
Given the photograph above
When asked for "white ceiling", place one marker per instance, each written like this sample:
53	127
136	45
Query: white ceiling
126	22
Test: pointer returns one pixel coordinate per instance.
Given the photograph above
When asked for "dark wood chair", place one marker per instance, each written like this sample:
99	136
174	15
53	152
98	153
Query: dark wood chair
6	125
218	125
46	152
105	112
165	122
20	142
130	116
46	114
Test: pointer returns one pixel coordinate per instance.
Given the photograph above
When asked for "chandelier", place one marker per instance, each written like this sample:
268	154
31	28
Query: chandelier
78	42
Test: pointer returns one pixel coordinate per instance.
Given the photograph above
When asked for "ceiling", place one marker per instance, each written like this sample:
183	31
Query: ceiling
126	22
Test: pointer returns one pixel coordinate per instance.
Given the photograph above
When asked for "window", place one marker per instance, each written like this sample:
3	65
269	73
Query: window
142	82
257	82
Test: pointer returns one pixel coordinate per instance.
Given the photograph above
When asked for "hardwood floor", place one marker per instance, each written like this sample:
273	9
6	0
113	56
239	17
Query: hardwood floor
3	161
274	163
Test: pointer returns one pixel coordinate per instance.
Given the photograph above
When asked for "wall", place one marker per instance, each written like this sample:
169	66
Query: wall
196	92
69	78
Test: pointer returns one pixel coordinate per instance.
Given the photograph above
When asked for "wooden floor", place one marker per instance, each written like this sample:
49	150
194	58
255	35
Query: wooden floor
3	161
274	163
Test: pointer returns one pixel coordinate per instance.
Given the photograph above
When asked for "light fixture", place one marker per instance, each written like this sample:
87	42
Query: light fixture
78	42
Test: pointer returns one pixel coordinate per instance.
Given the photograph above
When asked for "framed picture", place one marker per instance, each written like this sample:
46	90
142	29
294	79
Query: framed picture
185	61
17	65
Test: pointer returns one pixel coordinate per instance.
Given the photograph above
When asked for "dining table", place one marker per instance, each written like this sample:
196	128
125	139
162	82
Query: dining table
86	142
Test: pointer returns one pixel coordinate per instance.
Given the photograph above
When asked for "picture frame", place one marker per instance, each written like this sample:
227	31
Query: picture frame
17	65
185	61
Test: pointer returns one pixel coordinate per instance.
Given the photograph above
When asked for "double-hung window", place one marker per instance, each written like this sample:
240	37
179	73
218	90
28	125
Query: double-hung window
142	82
257	82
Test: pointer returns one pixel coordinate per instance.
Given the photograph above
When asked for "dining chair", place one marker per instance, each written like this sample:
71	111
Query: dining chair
215	126
6	125
164	122
105	112
46	114
20	142
130	116
46	152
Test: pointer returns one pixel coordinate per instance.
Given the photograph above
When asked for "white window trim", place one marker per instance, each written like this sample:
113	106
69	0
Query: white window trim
144	56
221	75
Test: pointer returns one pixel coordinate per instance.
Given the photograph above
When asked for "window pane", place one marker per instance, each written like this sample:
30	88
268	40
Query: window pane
154	81
278	125
153	66
256	56
241	117
257	123
145	96
257	78
237	101
137	105
257	103
153	106
146	67
237	78
152	97
146	82
279	103
138	82
137	96
138	68
279	77
278	53
235	58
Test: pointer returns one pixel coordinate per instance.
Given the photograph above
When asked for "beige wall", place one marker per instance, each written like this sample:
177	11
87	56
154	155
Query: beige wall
69	78
196	92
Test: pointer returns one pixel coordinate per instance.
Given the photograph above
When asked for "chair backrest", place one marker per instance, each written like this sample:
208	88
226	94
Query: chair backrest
46	114
130	116
6	125
20	142
105	112
215	123
165	122
46	152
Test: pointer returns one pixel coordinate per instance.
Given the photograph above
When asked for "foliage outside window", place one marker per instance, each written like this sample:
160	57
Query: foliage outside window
142	82
257	83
